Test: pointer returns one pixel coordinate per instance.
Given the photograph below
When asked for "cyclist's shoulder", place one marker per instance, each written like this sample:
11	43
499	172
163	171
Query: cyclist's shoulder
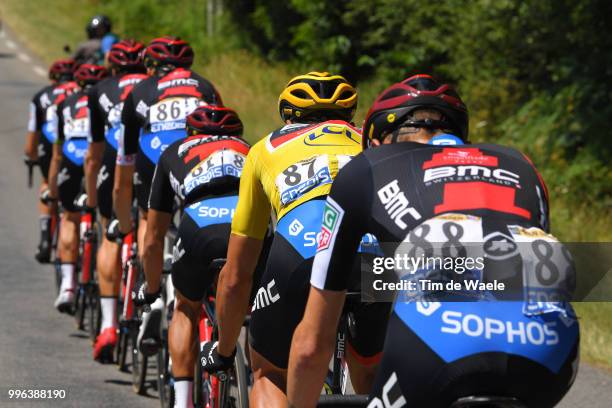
500	150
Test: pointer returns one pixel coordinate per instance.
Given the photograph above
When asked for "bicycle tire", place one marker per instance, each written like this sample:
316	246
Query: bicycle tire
165	386
237	386
122	349
80	299
139	366
95	312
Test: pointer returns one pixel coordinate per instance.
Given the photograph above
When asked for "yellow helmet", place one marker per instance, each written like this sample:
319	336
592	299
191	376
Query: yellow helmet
319	95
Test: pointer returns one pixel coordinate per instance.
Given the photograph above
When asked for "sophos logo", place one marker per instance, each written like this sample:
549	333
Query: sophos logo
215	212
266	295
534	333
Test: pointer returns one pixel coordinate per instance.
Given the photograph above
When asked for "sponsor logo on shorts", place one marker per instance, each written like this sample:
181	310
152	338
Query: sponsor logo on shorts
499	246
266	295
391	396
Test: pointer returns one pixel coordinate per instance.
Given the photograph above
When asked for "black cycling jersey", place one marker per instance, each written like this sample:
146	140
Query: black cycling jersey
38	108
73	117
106	100
402	185
162	104
197	167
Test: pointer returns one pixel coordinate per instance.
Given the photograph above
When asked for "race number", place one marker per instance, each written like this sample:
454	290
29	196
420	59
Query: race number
219	164
76	127
548	269
303	176
170	113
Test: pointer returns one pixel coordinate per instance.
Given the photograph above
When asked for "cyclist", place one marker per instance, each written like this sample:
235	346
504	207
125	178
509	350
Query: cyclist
417	195
66	174
37	148
99	41
290	170
105	102
203	172
153	117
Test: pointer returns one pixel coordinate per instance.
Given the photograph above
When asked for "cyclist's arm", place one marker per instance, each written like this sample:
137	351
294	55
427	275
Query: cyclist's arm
95	150
34	126
248	230
153	257
159	217
124	169
345	217
56	157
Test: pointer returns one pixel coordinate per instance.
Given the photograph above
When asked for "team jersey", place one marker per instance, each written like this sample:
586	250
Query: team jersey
73	128
289	167
481	189
106	100
38	107
154	113
195	168
43	108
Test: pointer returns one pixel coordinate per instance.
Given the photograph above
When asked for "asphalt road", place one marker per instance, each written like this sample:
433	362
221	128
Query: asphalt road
41	349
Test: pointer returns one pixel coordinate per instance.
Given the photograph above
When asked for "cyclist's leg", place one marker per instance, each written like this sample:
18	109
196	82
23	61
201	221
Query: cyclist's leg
278	307
69	186
43	252
181	342
108	261
194	250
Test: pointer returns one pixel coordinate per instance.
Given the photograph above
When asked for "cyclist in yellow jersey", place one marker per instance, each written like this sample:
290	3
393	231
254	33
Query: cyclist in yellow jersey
289	171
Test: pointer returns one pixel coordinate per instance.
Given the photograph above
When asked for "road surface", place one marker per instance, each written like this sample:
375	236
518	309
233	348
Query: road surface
41	349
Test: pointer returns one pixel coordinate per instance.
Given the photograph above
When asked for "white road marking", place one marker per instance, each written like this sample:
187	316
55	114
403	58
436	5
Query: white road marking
24	57
40	71
11	44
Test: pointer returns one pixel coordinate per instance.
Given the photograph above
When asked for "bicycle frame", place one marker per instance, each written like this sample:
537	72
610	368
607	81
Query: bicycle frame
129	262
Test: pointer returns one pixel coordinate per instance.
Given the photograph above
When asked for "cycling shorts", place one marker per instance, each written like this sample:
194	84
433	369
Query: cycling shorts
45	151
203	234
105	182
70	176
452	350
281	297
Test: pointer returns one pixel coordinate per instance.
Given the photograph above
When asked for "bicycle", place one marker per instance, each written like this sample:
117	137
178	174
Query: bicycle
225	389
87	296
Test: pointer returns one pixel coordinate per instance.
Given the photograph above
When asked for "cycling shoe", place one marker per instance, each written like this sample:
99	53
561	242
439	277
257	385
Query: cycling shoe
64	301
105	345
43	253
148	335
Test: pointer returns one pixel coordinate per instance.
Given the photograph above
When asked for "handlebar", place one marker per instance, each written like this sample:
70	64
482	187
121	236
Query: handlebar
30	164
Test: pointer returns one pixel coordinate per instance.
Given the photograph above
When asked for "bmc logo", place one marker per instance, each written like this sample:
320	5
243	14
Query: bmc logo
265	296
396	204
391	390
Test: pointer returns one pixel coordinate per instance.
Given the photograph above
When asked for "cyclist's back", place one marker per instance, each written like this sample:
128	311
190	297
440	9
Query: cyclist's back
154	114
433	199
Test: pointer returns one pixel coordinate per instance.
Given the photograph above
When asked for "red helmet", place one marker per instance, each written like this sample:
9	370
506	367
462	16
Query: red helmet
395	103
89	74
62	69
214	120
169	51
126	54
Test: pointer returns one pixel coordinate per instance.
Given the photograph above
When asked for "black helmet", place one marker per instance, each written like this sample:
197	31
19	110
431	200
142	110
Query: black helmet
98	26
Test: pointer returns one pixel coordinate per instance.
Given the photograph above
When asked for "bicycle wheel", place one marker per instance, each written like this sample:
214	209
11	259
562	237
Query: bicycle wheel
234	392
94	312
80	306
139	365
165	383
122	348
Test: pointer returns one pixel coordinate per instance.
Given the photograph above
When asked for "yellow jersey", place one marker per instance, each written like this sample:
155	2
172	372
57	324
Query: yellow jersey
290	166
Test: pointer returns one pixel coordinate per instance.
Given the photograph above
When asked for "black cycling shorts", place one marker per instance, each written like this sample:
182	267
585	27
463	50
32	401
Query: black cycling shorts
69	183
412	370
145	169
195	248
105	182
280	301
45	151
